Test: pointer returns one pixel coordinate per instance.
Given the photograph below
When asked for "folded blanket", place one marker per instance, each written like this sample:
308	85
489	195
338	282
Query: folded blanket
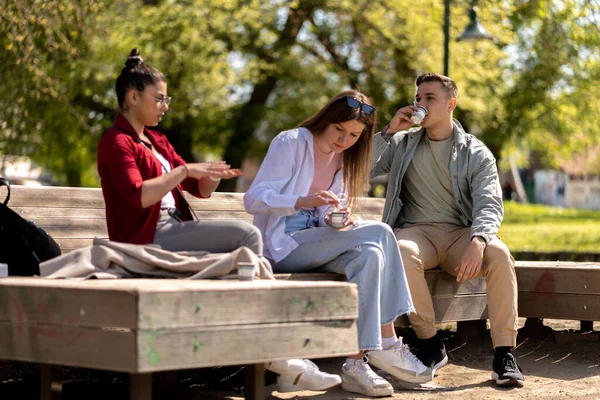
112	260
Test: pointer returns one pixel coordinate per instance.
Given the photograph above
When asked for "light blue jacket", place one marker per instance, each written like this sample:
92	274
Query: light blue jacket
285	174
475	181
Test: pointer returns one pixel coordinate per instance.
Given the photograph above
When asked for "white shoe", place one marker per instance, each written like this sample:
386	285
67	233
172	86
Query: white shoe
295	375
398	361
360	378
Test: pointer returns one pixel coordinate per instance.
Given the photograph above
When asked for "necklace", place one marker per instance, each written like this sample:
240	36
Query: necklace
324	152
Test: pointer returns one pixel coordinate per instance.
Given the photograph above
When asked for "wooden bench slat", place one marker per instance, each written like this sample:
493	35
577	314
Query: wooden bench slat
33	213
88	230
567	279
246	344
70	346
172	303
70	244
66	302
58	202
559	306
460	307
265	303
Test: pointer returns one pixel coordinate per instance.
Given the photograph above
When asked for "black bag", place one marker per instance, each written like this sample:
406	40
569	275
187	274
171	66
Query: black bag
23	245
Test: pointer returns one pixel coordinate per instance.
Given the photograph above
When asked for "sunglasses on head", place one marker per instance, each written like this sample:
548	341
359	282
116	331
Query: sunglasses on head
365	108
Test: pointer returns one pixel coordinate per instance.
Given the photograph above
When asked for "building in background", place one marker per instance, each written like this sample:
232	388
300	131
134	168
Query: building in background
22	171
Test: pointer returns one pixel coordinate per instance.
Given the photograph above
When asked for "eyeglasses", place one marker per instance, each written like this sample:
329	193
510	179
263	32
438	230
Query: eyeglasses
164	100
365	108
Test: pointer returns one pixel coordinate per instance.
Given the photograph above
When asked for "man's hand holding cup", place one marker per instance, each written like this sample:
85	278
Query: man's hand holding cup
405	118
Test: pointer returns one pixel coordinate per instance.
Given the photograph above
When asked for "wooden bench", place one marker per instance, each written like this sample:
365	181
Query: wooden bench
560	290
148	326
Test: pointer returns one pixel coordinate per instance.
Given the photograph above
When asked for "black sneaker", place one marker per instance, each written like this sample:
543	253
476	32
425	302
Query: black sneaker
432	353
507	371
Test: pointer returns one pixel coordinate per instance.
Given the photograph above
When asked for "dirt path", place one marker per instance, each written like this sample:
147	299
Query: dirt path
557	365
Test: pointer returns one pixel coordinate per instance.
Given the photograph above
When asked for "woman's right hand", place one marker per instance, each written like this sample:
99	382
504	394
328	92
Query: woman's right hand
216	169
318	199
401	120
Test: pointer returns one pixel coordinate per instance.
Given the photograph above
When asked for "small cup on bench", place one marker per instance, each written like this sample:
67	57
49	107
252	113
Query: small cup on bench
245	271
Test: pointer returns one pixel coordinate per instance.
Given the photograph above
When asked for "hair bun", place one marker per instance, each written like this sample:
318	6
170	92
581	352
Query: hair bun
132	61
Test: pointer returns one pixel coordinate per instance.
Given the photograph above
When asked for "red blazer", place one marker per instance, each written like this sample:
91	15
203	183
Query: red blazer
124	163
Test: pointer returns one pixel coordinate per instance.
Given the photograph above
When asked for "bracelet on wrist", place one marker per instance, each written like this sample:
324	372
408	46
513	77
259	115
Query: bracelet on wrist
187	171
385	134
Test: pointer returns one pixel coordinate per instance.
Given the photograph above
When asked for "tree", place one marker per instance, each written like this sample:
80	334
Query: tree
550	105
42	55
241	71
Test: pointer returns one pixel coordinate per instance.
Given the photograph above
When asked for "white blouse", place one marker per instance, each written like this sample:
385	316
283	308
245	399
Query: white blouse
286	173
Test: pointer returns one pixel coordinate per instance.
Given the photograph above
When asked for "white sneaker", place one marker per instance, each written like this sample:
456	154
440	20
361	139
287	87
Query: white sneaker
401	363
360	378
296	374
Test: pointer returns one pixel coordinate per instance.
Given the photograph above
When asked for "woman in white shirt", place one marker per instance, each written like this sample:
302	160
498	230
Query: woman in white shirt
305	176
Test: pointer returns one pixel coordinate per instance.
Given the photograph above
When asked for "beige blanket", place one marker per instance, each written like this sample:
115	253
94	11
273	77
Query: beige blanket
112	260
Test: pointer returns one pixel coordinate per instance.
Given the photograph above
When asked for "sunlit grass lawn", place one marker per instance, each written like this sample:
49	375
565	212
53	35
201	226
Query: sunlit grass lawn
539	228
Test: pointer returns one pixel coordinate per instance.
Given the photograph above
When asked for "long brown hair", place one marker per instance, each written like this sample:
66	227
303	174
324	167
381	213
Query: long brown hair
356	159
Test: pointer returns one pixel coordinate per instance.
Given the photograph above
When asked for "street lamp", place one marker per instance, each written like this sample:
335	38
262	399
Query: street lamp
473	33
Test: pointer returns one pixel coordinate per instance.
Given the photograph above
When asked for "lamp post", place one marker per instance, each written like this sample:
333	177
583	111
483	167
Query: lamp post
473	32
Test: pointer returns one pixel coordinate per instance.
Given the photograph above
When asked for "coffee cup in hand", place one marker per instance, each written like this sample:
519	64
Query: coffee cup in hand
337	219
419	115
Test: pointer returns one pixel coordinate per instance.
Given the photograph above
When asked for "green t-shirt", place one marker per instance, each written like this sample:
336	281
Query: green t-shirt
426	187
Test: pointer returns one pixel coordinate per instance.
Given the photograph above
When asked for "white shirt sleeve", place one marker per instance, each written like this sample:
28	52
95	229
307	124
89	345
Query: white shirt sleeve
264	195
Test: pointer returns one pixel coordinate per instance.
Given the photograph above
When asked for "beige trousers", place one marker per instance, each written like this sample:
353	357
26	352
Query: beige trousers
425	246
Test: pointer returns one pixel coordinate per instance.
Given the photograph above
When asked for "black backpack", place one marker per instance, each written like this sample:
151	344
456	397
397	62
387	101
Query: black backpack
23	245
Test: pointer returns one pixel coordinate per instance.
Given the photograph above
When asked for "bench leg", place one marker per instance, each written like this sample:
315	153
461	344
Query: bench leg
165	384
586	326
50	382
140	386
254	389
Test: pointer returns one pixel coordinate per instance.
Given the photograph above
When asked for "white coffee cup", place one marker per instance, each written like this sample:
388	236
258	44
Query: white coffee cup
245	271
337	219
419	115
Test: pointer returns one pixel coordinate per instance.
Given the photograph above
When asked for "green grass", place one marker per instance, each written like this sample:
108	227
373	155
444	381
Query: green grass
539	228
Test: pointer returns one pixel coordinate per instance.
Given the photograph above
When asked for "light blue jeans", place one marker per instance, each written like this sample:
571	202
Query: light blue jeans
368	255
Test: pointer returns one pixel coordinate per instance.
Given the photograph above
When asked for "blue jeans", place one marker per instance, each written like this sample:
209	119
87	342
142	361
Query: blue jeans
368	255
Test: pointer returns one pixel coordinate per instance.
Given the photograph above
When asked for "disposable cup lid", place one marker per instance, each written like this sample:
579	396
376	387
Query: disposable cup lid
243	264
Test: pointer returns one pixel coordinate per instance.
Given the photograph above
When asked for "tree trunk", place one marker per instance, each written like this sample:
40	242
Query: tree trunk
247	120
181	139
252	112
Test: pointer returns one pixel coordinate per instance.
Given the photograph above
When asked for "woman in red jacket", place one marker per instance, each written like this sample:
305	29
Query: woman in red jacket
142	176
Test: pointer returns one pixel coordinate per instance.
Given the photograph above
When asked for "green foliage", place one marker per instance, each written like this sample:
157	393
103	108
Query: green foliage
43	55
240	71
530	227
552	105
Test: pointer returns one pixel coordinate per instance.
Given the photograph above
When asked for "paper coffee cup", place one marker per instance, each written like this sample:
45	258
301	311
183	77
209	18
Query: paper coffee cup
419	115
245	271
337	219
